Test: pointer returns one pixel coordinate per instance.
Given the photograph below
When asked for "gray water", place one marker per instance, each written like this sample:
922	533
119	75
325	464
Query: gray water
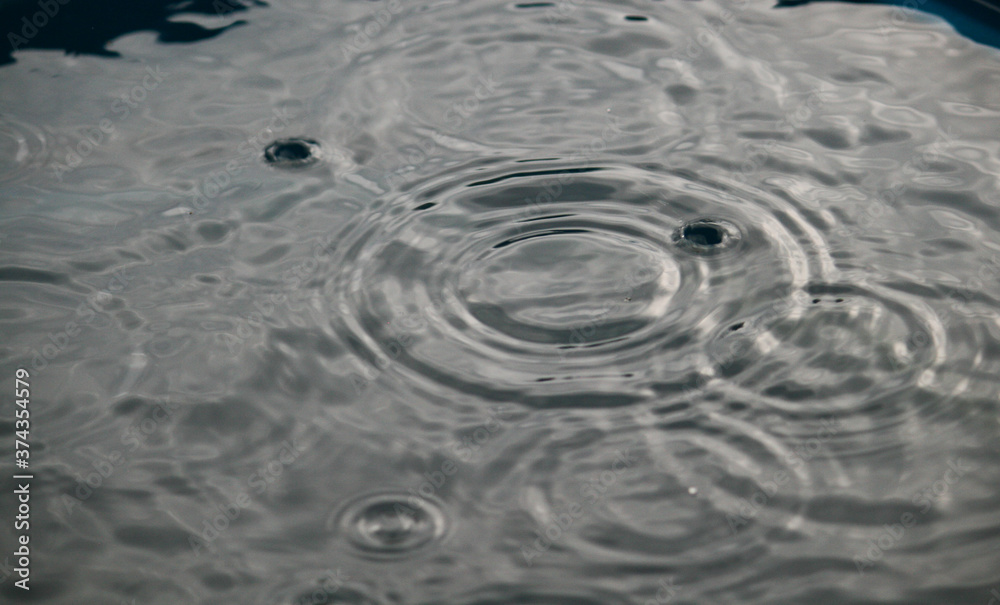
480	349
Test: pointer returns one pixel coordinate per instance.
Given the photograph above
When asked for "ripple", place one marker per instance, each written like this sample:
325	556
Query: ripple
563	286
843	344
682	489
389	524
24	149
540	286
502	222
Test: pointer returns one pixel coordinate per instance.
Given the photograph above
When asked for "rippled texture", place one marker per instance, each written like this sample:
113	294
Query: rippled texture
489	303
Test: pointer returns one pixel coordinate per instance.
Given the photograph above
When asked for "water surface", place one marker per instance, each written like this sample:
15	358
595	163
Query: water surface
482	302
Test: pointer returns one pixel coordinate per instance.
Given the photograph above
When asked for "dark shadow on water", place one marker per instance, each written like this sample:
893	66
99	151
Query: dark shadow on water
975	19
86	27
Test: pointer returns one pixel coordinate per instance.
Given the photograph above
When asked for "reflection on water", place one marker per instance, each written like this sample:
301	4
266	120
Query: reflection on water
89	27
478	302
975	19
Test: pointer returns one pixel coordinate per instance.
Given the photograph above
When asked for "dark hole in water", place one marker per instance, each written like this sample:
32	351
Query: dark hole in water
704	234
291	152
707	236
736	327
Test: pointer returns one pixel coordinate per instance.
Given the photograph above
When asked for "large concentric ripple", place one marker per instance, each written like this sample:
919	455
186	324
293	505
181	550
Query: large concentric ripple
683	488
564	285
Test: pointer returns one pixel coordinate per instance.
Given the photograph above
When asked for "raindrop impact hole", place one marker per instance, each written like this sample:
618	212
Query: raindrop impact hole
704	234
290	153
707	236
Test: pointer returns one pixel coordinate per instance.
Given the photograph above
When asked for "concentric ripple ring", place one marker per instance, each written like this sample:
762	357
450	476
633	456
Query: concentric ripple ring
563	286
390	524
